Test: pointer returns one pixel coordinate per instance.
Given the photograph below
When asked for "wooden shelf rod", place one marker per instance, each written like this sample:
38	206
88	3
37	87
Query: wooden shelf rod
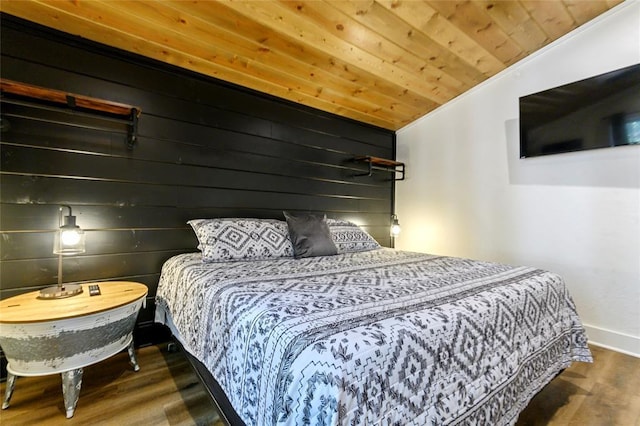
383	164
59	101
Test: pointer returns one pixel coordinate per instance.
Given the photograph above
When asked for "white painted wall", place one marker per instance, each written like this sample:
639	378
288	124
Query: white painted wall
468	194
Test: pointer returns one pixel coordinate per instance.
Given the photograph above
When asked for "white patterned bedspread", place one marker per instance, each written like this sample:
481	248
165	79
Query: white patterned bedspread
373	338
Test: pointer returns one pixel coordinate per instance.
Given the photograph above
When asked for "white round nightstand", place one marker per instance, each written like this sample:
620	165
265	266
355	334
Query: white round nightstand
49	336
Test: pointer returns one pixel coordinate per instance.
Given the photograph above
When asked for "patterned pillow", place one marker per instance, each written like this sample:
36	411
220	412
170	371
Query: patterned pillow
222	240
349	237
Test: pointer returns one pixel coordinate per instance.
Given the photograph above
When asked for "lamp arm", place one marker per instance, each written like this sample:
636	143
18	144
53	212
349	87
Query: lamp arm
60	270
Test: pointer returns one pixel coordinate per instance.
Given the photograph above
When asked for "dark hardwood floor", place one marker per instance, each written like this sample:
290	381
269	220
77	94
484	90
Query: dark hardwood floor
166	392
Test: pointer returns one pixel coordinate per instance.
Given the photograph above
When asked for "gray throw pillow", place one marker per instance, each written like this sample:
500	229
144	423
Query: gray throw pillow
310	236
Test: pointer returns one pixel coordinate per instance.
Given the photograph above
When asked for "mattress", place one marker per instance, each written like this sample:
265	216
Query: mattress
374	337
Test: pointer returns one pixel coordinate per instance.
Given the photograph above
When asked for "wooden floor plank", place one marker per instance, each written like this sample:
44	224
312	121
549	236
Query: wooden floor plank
166	392
598	394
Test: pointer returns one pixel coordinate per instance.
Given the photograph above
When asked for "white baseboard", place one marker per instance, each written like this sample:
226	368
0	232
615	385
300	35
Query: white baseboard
613	340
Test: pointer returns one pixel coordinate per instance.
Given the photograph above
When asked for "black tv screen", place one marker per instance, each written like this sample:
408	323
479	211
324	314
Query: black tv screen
598	112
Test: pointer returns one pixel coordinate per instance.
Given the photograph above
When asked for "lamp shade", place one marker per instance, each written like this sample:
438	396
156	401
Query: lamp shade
70	237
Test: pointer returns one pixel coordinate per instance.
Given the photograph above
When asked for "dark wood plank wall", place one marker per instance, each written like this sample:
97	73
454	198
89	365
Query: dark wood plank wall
205	149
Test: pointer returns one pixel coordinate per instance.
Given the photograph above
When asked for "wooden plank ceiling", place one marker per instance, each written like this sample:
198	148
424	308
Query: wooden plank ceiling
383	62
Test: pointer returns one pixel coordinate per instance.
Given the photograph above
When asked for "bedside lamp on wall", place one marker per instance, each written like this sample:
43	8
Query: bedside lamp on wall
69	240
395	226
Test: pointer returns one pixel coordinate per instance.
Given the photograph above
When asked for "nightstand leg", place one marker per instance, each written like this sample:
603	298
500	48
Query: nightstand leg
11	383
71	383
132	356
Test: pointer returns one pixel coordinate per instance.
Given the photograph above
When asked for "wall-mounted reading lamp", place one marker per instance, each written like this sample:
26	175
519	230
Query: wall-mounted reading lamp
395	226
69	240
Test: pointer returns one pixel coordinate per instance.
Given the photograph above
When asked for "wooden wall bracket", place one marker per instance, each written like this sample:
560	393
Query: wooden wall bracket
57	100
377	163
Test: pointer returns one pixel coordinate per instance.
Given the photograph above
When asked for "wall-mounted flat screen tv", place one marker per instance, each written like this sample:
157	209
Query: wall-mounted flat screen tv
599	112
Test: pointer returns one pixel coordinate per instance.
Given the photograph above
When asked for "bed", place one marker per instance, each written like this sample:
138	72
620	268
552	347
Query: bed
368	335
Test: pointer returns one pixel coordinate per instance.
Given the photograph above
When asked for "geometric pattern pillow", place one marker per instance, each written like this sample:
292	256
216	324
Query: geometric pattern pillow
349	237
228	239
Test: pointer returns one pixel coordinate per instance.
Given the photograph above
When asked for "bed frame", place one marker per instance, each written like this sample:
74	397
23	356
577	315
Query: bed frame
217	395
